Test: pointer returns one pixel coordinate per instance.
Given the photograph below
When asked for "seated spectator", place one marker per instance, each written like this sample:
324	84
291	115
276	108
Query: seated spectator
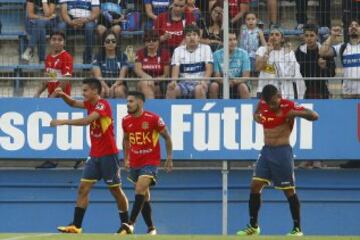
349	54
193	9
58	64
152	62
153	8
81	17
251	37
192	61
323	13
170	25
277	60
110	17
239	66
213	35
40	16
111	63
312	64
272	8
237	9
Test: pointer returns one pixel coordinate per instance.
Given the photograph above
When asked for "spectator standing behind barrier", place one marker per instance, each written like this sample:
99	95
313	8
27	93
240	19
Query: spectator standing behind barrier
58	64
213	35
323	13
40	16
80	16
153	8
110	17
171	24
192	61
239	66
349	53
251	37
314	65
152	62
351	10
111	63
277	60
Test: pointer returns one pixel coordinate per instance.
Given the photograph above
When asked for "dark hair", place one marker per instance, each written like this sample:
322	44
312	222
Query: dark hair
311	28
93	83
102	50
355	19
232	31
219	4
151	34
268	92
57	33
247	13
192	28
137	94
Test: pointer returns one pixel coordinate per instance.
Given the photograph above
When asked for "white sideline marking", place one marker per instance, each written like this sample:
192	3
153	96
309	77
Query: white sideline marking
28	236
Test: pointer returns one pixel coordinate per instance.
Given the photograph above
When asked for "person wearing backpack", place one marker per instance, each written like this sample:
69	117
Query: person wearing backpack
349	54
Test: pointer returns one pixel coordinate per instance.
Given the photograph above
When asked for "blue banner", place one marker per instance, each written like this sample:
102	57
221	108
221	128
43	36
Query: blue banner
200	129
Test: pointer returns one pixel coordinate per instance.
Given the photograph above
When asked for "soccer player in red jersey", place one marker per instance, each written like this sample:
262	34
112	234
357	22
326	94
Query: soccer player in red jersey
103	162
58	64
276	161
171	24
142	156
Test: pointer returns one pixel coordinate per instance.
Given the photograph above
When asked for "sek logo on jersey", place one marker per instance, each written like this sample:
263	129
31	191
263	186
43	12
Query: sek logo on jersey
140	138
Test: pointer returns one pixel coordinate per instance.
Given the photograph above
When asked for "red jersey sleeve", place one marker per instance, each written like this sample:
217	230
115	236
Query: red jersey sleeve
165	57
139	56
157	24
159	124
101	108
297	107
123	125
67	68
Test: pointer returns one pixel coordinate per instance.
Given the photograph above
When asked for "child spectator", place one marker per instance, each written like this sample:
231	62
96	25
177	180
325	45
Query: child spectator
251	37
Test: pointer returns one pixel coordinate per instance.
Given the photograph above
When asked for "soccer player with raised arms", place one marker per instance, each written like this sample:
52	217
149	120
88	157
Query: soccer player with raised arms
276	163
142	130
103	162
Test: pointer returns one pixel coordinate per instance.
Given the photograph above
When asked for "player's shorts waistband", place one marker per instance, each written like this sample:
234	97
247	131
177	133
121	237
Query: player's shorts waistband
276	147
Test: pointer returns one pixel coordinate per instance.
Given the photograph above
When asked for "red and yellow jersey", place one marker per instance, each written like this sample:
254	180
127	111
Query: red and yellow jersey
271	119
144	133
101	130
57	66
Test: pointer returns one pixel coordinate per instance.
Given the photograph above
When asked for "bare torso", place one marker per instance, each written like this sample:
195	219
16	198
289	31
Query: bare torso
277	136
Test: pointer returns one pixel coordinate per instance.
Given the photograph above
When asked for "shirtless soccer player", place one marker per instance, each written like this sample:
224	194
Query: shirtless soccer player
276	163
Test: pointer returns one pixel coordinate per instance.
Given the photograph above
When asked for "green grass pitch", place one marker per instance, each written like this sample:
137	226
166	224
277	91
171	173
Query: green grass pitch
49	236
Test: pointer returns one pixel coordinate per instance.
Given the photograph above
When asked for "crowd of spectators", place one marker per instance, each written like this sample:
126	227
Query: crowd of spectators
184	39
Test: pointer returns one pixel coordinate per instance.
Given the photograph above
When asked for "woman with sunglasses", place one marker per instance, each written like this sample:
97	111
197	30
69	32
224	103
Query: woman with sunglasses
152	62
111	63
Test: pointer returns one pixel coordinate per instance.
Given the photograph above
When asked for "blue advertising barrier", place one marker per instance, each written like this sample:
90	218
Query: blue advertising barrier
200	129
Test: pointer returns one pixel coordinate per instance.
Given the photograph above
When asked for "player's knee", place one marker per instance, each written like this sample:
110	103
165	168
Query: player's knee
83	190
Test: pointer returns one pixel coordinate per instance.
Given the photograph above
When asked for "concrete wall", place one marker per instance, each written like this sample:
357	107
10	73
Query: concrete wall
184	202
